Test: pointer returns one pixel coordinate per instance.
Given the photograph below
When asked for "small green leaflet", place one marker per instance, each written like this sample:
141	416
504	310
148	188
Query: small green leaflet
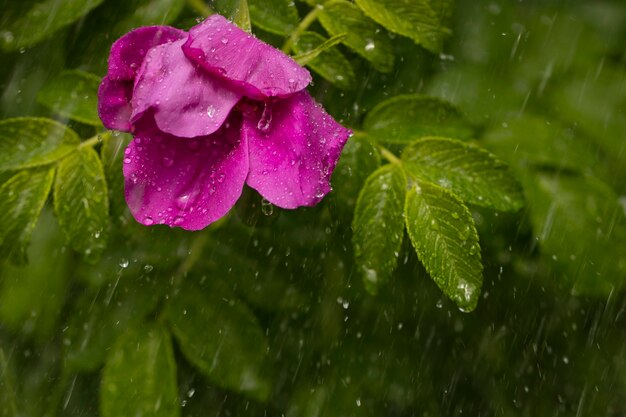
73	94
21	199
424	21
41	20
378	225
403	119
274	16
443	234
140	375
235	10
364	36
30	141
325	60
473	174
81	202
221	337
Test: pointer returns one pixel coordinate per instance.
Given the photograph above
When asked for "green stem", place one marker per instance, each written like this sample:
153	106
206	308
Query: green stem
388	155
94	140
304	25
201	7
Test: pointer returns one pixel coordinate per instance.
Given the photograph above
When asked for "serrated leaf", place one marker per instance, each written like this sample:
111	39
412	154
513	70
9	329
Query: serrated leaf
473	174
81	202
73	94
329	63
403	119
221	337
424	21
41	20
378	213
21	199
32	295
140	375
274	16
29	141
581	228
443	234
364	36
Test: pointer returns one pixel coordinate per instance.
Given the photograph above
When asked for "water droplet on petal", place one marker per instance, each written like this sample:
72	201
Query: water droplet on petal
167	161
148	221
210	111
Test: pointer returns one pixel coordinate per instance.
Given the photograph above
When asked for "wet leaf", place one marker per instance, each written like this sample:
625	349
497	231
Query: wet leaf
81	202
221	337
21	199
73	94
359	158
378	213
29	141
140	375
100	315
443	234
328	62
424	21
364	36
32	295
42	20
473	174
112	154
581	228
403	119
275	16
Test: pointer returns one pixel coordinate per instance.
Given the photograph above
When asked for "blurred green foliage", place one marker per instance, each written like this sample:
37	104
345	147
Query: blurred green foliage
270	312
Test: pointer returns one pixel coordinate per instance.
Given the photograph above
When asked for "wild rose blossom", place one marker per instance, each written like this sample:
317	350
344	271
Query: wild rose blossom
210	110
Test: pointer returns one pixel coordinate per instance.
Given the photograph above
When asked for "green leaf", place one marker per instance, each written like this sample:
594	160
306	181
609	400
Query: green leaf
112	154
21	199
41	20
99	316
378	213
221	337
32	295
328	62
473	174
274	16
581	228
81	202
443	234
424	21
403	119
364	36
73	94
532	140
312	53
140	375
8	403
28	142
359	158
235	10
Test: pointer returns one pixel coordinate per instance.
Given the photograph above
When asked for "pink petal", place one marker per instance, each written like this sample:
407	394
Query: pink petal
186	101
114	104
294	147
182	182
128	52
258	69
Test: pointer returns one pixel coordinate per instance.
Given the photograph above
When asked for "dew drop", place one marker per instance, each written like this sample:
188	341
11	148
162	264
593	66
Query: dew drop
148	221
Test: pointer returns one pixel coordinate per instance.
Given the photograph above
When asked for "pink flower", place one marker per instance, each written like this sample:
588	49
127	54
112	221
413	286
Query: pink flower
210	110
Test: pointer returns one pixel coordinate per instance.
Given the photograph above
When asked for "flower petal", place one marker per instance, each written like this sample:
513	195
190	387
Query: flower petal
293	151
114	104
186	183
258	69
187	102
128	52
